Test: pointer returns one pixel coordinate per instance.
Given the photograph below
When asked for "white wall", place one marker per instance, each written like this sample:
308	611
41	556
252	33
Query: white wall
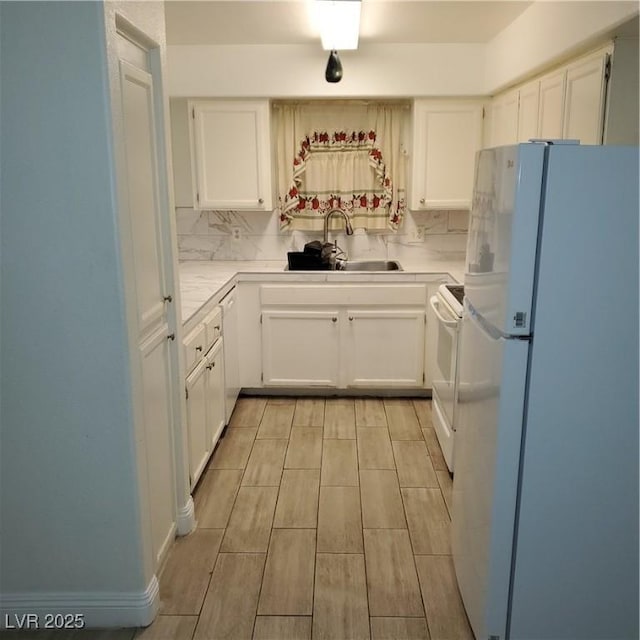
622	116
298	70
542	35
180	148
71	524
548	32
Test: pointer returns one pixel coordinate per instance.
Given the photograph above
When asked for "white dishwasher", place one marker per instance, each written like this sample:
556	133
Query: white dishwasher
231	368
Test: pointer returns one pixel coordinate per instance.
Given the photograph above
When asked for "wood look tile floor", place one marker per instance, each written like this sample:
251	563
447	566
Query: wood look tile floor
323	519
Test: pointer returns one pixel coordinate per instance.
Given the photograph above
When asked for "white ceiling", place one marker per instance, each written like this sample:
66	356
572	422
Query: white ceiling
382	21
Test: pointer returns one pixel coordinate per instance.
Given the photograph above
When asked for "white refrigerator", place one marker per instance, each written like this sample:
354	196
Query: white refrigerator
545	491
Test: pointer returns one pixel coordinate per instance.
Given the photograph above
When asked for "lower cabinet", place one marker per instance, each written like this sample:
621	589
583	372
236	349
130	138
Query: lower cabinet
199	443
205	409
300	348
385	348
229	307
215	392
156	384
343	347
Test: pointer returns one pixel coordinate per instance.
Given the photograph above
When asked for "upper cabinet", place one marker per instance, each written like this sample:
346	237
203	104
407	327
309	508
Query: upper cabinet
568	103
504	119
514	115
446	136
585	89
552	89
528	107
231	154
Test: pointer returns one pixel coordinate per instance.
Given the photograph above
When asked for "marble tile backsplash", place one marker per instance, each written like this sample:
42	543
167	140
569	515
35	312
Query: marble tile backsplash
251	235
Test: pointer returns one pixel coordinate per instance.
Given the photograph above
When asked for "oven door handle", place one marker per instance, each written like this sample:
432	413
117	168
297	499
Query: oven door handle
433	301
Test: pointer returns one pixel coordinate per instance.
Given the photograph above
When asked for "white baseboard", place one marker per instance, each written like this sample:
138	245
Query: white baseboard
97	610
186	518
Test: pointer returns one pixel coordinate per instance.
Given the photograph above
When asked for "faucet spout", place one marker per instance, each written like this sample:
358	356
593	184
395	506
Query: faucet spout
347	223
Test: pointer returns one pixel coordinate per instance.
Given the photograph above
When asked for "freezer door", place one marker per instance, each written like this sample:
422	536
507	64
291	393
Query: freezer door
503	235
490	409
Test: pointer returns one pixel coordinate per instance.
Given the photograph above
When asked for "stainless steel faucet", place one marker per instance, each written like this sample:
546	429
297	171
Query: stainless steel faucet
347	223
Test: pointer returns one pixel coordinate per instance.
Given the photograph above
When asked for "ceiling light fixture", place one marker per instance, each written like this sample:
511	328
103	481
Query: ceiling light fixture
339	23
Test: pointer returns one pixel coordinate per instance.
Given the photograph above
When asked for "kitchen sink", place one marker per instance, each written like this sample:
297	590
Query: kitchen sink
370	265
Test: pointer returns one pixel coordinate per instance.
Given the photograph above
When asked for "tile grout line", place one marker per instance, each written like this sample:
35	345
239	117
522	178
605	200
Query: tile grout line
225	530
315	555
424	607
404	511
364	556
266	553
273	527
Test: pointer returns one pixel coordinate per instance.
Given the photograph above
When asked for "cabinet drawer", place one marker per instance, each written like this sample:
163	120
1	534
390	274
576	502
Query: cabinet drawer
194	346
213	326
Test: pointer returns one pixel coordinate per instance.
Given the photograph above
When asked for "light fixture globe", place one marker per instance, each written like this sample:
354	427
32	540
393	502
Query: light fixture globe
333	72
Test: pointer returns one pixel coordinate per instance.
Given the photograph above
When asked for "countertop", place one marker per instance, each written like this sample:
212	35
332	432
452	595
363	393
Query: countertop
202	279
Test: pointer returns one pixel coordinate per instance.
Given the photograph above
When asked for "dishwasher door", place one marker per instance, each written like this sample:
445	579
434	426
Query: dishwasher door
231	368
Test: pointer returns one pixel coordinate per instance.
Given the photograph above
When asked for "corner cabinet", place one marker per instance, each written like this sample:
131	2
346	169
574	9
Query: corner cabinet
231	154
446	136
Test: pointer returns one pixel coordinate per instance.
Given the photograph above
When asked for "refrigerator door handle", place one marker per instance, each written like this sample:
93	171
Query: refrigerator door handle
489	328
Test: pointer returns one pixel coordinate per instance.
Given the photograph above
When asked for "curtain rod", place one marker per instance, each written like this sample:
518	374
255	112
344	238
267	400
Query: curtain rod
340	102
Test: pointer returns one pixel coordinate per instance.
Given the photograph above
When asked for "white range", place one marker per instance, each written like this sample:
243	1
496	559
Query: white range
443	327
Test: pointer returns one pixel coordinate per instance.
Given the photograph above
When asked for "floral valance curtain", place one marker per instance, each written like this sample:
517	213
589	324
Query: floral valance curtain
346	156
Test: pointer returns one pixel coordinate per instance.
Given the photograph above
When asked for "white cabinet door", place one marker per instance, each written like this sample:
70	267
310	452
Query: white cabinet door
156	380
504	119
198	433
551	111
445	140
231	366
528	106
215	393
231	154
584	101
249	335
385	348
149	299
300	348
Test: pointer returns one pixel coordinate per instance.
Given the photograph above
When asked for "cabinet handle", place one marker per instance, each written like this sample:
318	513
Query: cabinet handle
168	298
210	366
260	201
350	318
171	336
199	348
334	319
421	200
217	327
